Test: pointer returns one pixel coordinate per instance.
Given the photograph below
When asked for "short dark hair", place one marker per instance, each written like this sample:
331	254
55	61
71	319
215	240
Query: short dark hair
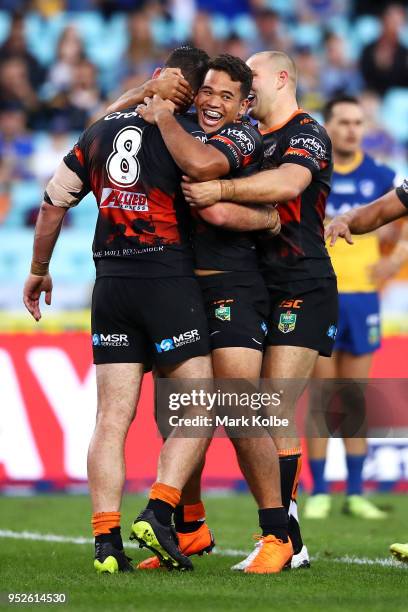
193	63
236	68
330	104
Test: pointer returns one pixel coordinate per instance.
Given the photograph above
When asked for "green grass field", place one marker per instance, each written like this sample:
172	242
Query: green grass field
333	582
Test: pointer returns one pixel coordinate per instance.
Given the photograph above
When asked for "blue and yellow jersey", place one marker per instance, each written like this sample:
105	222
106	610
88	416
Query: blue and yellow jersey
354	185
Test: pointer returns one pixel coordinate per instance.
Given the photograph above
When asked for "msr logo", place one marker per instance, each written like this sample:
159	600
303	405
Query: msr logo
169	344
110	340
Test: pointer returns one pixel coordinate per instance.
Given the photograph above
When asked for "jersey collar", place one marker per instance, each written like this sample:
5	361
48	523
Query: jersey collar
274	128
353	165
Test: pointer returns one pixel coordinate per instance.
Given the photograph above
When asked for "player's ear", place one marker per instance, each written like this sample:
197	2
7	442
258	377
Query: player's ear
243	107
156	73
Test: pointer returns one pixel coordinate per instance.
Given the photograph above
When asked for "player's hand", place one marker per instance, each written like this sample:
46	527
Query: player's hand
274	222
33	287
338	228
201	194
383	270
171	85
153	107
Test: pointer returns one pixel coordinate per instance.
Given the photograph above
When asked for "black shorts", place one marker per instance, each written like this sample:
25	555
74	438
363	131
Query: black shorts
151	321
304	313
237	305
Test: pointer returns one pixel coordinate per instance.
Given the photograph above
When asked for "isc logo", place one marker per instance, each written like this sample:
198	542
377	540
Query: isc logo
291	304
169	344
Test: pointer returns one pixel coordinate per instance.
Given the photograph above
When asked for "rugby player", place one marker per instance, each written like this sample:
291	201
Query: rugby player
136	255
357	179
295	265
234	292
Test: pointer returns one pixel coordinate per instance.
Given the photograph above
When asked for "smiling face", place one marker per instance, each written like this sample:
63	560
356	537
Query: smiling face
219	101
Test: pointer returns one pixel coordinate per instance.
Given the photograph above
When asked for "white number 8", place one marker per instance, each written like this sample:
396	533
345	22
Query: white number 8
123	167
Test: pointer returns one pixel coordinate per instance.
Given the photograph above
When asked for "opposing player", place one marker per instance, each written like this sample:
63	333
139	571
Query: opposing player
296	266
357	179
136	254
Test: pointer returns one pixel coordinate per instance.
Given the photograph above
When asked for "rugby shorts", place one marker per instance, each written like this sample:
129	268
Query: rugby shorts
304	313
158	321
359	330
236	305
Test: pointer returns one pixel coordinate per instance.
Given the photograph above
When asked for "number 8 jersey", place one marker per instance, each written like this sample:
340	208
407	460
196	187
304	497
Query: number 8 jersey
143	226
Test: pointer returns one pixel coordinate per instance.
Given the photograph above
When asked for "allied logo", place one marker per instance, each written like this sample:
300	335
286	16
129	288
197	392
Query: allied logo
332	332
126	200
110	340
169	344
287	322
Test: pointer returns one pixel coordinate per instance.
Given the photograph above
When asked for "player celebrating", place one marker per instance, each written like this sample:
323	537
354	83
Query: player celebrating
234	292
357	179
125	163
296	266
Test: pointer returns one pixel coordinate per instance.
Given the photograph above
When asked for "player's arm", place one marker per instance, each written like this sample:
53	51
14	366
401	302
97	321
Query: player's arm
389	265
192	156
302	156
169	85
390	207
66	188
242	218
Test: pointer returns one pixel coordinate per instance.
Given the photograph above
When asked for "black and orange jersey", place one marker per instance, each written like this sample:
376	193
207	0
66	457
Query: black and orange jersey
402	192
299	251
143	226
214	247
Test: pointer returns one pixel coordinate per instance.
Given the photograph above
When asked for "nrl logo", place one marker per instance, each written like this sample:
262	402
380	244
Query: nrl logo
223	313
287	322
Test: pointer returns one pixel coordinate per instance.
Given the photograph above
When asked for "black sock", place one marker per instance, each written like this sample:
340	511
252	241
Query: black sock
114	537
162	510
274	521
289	467
183	526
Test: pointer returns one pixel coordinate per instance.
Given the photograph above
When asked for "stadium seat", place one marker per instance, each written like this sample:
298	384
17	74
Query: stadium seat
244	26
395	113
220	26
307	35
25	195
83	217
366	30
4	26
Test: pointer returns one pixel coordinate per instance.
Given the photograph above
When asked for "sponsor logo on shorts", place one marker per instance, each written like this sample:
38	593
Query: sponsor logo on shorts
264	327
223	313
291	304
332	332
110	340
287	322
169	344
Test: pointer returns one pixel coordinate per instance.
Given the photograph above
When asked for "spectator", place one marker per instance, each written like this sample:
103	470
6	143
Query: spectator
15	86
384	63
82	100
70	52
202	34
15	47
271	33
338	76
4	190
49	153
16	144
142	54
377	141
237	46
309	71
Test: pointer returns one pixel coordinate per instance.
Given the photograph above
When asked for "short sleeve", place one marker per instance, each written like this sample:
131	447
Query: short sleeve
240	143
308	146
402	193
75	160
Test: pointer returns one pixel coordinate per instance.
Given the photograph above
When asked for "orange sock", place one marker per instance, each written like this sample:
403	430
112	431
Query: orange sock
103	522
165	493
194	512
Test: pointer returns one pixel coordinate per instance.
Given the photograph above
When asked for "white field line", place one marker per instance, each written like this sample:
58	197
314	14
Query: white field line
222	552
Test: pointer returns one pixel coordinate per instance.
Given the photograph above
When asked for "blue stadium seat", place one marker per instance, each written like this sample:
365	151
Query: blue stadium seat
15	257
286	8
245	27
83	217
89	24
4	26
366	29
220	26
43	34
25	195
307	35
72	259
395	113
